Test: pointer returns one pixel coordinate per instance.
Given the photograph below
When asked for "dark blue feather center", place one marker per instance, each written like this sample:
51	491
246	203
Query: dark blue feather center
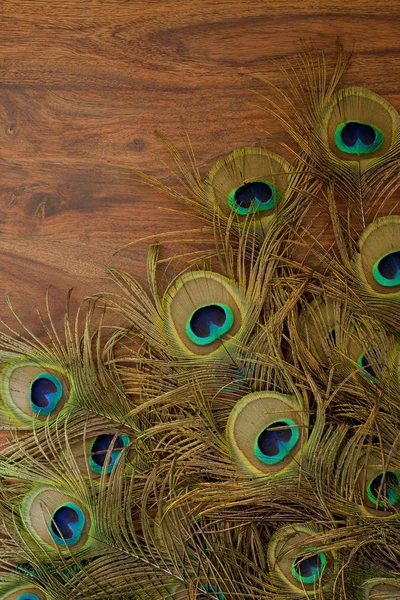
247	193
384	486
308	567
62	519
40	390
354	131
204	316
367	367
268	440
101	446
331	337
389	265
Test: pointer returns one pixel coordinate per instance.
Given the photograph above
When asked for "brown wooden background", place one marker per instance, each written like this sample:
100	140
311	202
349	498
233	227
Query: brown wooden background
83	85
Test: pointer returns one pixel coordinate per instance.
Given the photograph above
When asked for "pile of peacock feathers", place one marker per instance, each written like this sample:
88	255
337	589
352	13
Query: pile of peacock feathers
237	437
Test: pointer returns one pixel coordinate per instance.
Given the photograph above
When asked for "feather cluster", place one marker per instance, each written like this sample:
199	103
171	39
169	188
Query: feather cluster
238	436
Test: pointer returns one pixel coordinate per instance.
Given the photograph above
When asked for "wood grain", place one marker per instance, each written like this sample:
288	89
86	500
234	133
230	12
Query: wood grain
83	86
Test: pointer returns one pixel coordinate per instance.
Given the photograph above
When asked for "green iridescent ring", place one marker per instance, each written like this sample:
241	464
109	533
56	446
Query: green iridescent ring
355	137
209	323
45	392
247	198
315	571
366	368
275	442
99	448
386	270
67	524
392	495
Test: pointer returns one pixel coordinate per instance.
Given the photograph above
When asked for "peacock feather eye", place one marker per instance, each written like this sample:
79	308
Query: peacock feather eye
366	368
67	524
355	137
276	441
386	271
378	261
377	484
46	391
265	431
207	589
309	569
356	130
296	565
381	588
209	323
253	197
198	309
58	520
249	181
101	446
384	489
31	390
24	592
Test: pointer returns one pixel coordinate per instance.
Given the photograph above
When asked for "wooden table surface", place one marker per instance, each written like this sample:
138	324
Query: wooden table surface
83	86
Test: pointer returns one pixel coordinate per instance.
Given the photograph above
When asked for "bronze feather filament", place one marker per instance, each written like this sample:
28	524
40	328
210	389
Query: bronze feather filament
239	438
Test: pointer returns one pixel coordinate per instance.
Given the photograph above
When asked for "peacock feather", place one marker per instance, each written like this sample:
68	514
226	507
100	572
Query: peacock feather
237	436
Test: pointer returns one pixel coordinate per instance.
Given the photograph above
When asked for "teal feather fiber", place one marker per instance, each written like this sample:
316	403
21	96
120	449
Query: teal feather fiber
238	437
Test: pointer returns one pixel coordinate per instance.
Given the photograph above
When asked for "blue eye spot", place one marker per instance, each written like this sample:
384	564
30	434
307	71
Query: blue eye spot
28	596
45	393
354	137
366	368
100	447
309	570
209	323
386	271
253	197
384	489
276	441
67	524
